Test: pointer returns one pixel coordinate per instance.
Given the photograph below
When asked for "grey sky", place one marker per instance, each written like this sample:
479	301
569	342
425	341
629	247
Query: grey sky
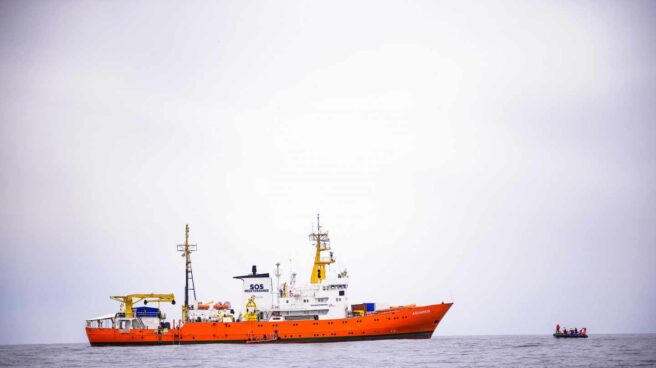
500	154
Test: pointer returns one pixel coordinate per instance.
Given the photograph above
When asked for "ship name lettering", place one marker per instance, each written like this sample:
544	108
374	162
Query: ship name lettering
257	288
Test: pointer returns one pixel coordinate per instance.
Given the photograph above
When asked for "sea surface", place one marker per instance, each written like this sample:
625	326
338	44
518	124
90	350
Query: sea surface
460	351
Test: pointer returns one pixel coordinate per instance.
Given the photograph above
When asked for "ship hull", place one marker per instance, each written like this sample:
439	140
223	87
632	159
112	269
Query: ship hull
405	323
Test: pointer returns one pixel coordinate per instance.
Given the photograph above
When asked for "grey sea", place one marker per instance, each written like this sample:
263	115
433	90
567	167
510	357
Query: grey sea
461	351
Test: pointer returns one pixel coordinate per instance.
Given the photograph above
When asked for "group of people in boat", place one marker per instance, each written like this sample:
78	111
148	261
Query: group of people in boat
572	331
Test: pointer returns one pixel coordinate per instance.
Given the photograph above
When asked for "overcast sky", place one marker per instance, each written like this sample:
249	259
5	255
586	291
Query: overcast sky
497	154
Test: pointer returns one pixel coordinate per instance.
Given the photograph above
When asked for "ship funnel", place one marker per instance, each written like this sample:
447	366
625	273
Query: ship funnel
254	270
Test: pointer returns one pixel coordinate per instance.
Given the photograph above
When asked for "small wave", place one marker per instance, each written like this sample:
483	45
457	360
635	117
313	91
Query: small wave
527	345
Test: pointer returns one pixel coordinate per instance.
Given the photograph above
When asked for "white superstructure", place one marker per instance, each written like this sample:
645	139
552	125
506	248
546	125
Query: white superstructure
325	300
325	297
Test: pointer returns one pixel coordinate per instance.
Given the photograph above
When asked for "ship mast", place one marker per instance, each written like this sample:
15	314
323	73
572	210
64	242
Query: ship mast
320	263
278	284
186	250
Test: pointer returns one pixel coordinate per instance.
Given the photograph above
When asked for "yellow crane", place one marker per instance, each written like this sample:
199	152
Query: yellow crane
132	299
251	309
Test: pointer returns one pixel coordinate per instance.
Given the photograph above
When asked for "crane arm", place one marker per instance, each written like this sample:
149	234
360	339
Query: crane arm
130	300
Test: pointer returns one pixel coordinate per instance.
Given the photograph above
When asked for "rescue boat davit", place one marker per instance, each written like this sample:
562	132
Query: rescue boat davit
291	312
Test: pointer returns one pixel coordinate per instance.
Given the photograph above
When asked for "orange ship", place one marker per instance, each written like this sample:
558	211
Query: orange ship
317	312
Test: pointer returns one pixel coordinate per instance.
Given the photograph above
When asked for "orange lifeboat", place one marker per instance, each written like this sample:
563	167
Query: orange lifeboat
220	305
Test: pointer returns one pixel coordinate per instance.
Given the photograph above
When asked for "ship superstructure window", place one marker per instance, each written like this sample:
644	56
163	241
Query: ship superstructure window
335	287
341	293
